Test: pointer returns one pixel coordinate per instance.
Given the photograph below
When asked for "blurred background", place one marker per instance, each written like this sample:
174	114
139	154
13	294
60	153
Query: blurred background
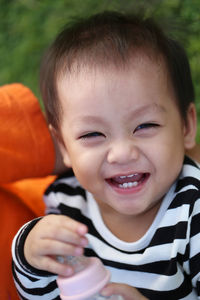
27	27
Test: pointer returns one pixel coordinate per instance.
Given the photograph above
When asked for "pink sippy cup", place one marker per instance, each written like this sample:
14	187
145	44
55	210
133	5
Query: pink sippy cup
89	278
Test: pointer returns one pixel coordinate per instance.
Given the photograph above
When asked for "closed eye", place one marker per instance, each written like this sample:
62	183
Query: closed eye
146	126
91	135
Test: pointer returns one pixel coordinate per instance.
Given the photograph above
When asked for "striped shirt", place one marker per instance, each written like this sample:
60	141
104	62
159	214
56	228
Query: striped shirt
163	264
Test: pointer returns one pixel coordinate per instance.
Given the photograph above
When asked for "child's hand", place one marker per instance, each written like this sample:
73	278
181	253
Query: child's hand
51	236
126	291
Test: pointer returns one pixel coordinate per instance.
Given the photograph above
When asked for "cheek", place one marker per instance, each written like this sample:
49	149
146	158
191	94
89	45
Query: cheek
166	152
83	165
168	163
87	168
86	157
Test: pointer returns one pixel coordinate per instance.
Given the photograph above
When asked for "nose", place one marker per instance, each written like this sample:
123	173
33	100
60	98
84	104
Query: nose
122	152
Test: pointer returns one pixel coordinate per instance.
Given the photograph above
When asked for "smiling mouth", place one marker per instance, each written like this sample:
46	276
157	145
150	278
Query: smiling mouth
128	181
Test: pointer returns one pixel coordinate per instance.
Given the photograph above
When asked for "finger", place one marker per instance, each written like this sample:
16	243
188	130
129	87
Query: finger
73	225
54	247
65	222
127	292
60	233
49	264
61	228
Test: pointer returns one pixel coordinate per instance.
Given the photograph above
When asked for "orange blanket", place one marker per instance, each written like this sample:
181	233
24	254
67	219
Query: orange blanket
26	157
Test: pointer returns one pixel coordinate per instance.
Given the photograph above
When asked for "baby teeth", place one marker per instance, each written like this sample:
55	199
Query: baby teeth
128	184
123	176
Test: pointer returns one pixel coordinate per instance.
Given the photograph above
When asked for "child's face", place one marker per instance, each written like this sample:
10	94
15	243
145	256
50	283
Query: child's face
123	135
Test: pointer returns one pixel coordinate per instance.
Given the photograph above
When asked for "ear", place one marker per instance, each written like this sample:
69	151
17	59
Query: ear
60	147
190	127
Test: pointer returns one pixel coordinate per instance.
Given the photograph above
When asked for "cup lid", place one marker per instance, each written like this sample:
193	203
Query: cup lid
85	283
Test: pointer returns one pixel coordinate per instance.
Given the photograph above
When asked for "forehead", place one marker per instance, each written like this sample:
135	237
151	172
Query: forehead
90	78
142	89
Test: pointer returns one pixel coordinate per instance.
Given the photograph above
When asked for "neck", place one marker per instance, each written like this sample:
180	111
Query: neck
129	228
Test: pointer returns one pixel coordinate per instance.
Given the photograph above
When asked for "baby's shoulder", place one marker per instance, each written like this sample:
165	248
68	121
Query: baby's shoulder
67	184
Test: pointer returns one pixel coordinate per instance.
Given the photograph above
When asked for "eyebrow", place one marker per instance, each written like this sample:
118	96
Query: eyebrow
141	110
149	108
87	119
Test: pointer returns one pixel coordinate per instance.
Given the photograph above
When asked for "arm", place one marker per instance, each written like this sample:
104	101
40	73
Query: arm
194	245
32	280
34	249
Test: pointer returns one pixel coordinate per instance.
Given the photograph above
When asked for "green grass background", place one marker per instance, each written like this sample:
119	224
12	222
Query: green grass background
27	27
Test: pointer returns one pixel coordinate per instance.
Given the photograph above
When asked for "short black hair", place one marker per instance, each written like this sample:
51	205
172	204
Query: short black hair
112	38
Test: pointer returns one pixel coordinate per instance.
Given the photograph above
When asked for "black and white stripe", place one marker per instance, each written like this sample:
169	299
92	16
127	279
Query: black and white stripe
163	264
